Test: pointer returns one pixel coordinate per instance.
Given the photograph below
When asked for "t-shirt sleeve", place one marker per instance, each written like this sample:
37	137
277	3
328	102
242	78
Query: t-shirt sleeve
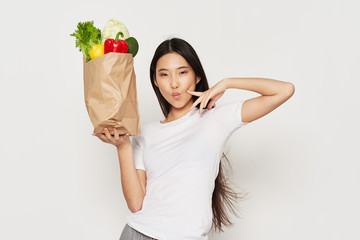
228	116
138	151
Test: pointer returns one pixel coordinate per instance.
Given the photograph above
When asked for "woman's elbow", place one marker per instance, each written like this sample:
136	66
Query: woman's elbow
290	89
135	206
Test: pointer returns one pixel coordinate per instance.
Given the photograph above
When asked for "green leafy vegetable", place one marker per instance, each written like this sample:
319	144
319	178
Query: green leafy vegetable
86	35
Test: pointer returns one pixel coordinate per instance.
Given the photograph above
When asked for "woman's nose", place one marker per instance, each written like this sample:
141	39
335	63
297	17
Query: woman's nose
174	82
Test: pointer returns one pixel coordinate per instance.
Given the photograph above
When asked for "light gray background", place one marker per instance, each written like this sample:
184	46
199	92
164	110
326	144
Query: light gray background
299	164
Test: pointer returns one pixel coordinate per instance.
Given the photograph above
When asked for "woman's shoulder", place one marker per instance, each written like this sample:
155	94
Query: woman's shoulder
147	128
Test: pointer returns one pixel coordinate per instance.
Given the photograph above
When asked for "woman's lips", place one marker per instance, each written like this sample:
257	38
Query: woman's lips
176	95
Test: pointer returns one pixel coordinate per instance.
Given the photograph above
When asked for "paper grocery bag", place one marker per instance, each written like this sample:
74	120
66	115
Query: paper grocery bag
110	93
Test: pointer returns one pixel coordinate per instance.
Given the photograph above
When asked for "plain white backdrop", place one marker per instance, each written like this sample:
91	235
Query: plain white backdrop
300	163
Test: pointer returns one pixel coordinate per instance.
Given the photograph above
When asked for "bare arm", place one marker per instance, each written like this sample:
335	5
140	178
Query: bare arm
274	93
133	181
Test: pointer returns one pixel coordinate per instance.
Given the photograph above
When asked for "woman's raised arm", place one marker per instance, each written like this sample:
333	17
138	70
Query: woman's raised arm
274	93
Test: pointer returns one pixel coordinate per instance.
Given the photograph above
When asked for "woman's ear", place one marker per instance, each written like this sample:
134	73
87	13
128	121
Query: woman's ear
155	82
198	79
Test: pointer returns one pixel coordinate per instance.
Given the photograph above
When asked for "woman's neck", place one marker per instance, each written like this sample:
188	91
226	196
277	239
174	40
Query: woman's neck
176	113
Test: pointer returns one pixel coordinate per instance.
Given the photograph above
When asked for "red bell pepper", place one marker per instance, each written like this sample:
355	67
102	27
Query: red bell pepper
111	45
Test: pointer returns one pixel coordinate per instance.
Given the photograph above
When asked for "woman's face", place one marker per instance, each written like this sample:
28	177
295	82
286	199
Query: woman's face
173	77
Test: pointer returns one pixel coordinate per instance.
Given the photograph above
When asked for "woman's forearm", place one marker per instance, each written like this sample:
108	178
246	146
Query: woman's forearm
132	189
264	86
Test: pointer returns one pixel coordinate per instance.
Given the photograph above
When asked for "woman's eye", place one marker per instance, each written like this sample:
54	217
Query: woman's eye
162	74
183	72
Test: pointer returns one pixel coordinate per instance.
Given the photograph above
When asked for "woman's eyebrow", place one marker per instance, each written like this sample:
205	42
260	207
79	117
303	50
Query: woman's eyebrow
164	69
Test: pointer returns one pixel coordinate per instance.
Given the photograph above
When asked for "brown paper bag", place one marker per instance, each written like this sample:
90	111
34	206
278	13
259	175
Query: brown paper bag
110	93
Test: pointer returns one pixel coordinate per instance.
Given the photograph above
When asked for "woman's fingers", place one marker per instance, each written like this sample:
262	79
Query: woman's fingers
116	135
102	137
107	134
204	102
202	99
211	103
196	102
194	93
201	105
117	140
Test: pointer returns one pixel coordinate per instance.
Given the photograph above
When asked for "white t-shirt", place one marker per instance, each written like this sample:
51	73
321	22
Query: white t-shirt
181	159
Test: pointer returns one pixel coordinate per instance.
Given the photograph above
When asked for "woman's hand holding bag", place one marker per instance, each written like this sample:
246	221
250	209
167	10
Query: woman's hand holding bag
121	142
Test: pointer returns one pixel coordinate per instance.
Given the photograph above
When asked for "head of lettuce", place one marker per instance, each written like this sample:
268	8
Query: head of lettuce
86	36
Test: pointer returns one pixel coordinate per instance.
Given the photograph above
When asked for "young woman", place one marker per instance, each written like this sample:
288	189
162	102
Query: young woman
171	174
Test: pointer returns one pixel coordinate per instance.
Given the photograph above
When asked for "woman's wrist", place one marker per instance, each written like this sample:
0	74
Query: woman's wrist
123	147
225	83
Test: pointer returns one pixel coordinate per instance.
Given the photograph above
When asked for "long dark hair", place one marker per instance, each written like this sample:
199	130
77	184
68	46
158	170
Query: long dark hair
223	196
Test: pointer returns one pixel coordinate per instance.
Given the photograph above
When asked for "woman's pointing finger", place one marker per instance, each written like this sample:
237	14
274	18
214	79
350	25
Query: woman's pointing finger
194	93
